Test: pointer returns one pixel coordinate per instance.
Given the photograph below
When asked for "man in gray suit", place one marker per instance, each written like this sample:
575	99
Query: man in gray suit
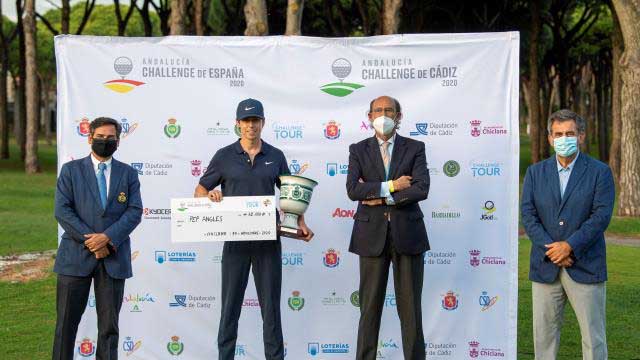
98	205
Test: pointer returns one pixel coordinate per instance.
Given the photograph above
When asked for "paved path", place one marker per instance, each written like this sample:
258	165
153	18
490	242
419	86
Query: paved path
14	262
611	239
620	240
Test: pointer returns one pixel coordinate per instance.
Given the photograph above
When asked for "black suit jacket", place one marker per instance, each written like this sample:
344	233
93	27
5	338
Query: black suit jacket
408	232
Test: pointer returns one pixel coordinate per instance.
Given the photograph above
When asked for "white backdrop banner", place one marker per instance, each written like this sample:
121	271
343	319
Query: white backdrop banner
176	99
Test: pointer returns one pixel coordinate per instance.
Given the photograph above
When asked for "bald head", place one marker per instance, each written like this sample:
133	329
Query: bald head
386	100
385	105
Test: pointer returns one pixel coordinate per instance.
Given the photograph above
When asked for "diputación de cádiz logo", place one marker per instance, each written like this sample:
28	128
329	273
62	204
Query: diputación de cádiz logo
341	68
123	66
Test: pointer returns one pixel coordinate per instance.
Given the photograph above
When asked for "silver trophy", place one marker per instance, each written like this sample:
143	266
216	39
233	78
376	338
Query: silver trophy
295	196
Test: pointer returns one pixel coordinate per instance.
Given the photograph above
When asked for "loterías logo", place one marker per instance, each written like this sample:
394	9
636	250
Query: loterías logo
123	66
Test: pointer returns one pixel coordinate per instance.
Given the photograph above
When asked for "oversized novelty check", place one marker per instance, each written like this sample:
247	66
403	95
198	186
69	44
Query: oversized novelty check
236	218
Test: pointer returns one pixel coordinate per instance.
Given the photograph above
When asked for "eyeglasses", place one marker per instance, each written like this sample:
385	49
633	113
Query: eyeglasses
388	110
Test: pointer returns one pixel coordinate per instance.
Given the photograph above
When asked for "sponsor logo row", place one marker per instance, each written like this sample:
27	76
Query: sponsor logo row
487	212
331	258
137	302
175	346
291	131
451	168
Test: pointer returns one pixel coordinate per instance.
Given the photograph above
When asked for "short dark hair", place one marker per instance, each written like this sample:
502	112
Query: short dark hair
567	115
396	103
102	121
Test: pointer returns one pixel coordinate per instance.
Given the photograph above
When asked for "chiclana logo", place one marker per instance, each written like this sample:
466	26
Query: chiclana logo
476	351
196	169
475	260
477	130
123	66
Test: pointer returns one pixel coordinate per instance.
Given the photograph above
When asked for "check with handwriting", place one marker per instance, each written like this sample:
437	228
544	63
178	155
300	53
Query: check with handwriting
235	218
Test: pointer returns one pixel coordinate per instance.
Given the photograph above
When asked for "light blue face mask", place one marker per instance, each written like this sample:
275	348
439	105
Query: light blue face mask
566	146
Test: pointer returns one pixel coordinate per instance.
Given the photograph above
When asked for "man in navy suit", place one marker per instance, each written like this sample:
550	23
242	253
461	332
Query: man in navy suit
567	201
98	205
388	177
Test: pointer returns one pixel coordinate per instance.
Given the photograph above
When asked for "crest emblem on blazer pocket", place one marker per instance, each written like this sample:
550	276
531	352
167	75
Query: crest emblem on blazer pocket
122	198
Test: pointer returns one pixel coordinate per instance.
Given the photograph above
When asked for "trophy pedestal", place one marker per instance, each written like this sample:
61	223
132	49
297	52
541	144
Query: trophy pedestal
290	233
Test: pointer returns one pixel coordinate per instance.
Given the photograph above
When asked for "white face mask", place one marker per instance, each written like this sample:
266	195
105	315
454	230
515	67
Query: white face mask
384	125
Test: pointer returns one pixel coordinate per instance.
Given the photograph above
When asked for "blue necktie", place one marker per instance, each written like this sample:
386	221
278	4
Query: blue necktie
102	184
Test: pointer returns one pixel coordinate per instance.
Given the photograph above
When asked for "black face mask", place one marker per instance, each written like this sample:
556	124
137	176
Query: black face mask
104	147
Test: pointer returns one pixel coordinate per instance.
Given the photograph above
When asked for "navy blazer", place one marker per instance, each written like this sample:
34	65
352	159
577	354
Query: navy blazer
79	211
580	217
408	231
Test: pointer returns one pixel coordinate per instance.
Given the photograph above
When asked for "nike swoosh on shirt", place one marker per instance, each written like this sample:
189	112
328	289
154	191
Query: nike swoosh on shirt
268	162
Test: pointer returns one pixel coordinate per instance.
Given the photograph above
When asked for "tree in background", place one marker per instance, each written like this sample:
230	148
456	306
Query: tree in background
294	17
19	107
617	47
628	13
178	17
255	13
29	25
123	20
391	16
535	121
8	32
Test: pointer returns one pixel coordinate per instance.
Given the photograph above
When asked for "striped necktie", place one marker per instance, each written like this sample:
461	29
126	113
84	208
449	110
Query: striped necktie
386	158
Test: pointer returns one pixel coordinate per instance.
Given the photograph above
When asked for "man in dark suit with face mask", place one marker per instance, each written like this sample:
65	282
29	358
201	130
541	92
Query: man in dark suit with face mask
98	205
388	176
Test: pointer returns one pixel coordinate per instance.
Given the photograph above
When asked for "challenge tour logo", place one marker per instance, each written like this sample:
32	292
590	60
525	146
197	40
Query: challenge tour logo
341	68
123	66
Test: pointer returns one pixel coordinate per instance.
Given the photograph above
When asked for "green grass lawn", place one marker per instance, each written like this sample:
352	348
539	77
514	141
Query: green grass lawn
26	208
28	315
623	307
